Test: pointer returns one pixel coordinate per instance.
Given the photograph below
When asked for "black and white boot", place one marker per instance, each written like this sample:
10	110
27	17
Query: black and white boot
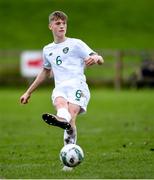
53	120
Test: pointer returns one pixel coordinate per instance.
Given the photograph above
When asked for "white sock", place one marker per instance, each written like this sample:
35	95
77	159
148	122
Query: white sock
70	136
63	113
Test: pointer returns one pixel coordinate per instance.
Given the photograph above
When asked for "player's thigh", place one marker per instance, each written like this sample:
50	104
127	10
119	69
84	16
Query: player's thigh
73	109
60	102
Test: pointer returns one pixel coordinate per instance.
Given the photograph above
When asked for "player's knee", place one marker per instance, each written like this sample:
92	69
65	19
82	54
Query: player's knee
60	103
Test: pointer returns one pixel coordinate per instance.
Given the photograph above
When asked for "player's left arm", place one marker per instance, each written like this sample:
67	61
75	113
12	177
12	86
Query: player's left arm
94	59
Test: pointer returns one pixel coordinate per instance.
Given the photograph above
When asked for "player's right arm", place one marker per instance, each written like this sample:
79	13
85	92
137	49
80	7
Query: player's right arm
39	79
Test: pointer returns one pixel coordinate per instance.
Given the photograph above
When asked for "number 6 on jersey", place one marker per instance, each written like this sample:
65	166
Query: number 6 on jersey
58	60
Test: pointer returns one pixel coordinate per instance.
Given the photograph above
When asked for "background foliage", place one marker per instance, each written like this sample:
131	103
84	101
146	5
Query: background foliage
100	23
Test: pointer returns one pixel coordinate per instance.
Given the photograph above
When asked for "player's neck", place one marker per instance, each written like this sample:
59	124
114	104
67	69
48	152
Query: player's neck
59	39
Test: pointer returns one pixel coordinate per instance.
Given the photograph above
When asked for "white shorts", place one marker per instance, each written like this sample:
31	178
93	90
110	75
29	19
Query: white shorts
76	93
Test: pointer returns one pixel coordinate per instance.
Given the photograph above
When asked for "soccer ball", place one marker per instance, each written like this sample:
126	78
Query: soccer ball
71	155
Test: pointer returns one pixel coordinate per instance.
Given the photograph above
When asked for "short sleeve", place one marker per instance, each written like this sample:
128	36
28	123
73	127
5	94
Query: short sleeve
46	63
84	50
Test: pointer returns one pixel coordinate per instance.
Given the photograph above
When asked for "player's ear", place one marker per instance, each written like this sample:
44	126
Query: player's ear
50	27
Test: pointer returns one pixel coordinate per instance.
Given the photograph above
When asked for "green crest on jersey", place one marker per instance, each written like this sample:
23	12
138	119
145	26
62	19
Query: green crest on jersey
65	50
50	54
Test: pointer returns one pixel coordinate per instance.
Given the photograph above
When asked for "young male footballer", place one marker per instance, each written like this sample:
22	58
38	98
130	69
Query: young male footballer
65	59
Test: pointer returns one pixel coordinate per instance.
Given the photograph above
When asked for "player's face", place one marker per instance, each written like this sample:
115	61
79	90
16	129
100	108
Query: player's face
58	28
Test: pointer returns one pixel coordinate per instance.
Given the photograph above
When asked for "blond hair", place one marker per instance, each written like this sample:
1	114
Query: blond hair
57	15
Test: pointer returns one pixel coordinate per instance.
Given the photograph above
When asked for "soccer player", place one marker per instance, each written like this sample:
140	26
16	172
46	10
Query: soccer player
65	60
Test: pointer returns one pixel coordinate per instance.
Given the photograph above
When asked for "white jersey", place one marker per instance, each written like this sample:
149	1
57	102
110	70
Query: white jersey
66	60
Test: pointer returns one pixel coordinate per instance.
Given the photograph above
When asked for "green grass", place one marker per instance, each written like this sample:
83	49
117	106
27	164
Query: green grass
116	135
100	23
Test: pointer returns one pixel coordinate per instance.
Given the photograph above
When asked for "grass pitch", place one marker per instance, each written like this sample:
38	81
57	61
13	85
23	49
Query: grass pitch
116	135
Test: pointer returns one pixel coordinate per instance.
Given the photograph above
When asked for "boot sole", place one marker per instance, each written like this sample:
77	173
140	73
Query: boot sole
53	121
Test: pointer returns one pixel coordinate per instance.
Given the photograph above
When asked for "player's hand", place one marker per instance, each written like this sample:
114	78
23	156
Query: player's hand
91	60
24	98
94	59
